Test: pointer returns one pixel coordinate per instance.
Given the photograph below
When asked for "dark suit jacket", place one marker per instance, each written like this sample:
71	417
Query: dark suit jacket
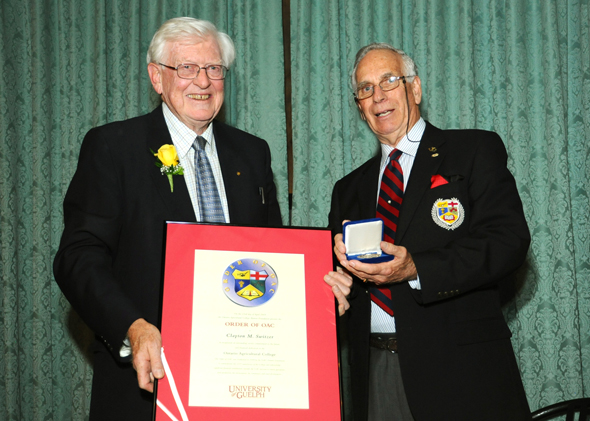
109	264
454	346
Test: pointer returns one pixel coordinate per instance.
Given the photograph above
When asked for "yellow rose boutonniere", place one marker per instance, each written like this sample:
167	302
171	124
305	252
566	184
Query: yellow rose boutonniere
168	163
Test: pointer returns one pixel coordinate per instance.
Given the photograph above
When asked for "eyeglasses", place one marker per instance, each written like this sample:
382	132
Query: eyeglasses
387	84
191	71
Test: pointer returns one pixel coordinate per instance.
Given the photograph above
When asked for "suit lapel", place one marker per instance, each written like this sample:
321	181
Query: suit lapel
428	159
229	167
178	202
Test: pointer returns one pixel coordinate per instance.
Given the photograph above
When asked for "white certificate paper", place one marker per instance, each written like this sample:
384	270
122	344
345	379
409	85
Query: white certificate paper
249	334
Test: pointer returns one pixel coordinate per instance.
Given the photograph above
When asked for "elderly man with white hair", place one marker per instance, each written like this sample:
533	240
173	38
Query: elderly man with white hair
109	264
428	340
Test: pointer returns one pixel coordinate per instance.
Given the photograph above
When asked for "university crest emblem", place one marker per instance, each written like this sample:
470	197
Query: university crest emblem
249	282
448	213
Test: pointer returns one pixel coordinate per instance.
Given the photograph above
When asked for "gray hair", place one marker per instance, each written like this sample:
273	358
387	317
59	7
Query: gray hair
185	27
409	67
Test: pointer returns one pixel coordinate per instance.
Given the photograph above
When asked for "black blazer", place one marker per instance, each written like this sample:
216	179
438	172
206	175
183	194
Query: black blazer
454	346
109	263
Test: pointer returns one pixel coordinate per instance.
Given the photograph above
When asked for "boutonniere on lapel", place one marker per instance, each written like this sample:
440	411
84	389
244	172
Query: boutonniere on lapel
167	161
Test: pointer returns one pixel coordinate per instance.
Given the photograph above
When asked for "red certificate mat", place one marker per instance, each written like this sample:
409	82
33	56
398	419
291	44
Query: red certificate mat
248	325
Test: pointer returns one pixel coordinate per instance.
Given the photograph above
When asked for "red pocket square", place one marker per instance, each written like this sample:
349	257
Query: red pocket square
437	180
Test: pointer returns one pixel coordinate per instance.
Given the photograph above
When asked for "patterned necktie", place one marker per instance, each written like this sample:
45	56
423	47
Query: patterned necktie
209	202
391	194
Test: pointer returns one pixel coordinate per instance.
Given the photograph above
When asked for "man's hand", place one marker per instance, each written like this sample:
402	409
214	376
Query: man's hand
341	282
400	269
146	345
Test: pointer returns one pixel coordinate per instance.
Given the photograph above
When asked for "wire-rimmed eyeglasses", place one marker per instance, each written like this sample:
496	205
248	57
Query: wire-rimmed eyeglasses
191	71
388	83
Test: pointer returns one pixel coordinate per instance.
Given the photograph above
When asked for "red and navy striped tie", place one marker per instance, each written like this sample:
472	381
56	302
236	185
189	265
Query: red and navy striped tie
389	204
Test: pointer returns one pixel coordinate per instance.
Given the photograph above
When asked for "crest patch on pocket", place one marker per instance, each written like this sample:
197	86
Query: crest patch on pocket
448	213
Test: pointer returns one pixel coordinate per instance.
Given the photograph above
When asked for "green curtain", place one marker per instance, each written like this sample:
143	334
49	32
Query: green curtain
65	67
520	68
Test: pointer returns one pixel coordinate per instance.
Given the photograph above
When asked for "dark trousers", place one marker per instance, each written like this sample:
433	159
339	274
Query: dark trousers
387	398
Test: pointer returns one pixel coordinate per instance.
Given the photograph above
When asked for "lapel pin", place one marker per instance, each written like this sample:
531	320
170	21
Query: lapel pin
434	155
432	149
239	173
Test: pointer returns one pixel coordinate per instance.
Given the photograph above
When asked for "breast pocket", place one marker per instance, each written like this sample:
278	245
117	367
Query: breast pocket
248	199
449	205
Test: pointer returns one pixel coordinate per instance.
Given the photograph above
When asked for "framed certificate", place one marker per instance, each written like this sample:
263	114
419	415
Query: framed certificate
248	325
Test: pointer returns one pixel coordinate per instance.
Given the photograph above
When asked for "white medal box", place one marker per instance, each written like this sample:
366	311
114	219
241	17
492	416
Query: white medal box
363	240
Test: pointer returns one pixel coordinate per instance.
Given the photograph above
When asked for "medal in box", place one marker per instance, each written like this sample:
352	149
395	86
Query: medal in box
363	240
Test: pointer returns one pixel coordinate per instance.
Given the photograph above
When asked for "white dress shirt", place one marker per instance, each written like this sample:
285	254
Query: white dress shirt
183	139
380	320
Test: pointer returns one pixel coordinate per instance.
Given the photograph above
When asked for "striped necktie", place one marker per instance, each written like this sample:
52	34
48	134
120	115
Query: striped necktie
209	201
389	204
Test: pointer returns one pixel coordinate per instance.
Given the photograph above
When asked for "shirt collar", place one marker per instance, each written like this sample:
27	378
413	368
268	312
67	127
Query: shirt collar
409	143
183	137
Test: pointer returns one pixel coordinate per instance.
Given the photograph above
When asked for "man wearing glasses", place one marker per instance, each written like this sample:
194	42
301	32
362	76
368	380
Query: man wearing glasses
427	337
109	264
